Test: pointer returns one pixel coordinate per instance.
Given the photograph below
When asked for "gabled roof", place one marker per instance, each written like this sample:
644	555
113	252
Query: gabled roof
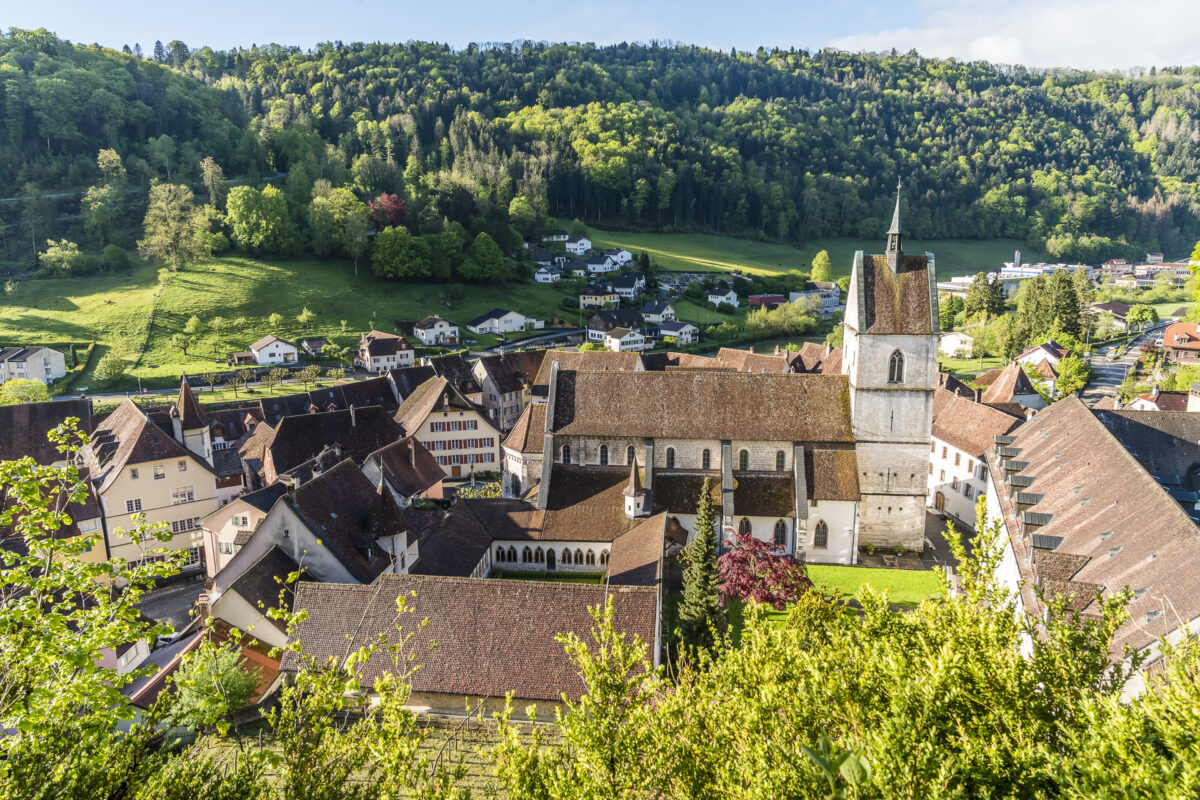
585	359
818	358
1051	347
430	322
371	392
594	289
1118	310
23	428
512	372
1012	382
407	379
636	556
492	636
628	280
656	307
407	466
267	340
495	313
704	404
968	425
620	333
615	317
188	409
378	343
127	437
528	434
434	394
749	361
902	302
455	369
264	580
675	326
357	431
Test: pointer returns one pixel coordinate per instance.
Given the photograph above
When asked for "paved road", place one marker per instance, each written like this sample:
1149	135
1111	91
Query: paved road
1108	375
172	603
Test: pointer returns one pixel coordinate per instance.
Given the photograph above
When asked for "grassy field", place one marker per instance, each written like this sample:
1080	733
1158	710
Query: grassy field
905	587
686	252
961	366
114	309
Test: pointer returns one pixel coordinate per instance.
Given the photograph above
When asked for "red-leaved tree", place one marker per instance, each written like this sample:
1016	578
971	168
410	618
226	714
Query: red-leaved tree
389	211
754	570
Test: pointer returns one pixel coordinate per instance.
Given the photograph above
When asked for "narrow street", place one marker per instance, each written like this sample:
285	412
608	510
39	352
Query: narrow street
1108	375
172	604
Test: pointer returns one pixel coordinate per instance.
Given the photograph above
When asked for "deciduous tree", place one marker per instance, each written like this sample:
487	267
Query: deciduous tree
751	569
171	226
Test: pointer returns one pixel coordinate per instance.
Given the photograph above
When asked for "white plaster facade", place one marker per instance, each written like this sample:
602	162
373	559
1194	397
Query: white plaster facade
273	352
33	363
956	480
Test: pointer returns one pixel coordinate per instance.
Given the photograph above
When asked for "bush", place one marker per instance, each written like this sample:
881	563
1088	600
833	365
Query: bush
114	257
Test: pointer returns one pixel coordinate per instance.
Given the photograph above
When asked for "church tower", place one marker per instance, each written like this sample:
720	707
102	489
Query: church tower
890	359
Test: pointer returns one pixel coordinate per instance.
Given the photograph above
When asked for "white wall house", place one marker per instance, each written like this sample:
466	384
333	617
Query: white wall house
578	245
624	340
620	256
433	331
681	332
956	344
501	320
657	312
273	350
729	297
601	265
547	274
34	363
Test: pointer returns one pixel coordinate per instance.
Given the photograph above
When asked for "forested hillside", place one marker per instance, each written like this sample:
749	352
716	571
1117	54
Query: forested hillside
788	145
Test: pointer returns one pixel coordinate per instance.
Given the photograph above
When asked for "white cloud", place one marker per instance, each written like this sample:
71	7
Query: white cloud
1092	34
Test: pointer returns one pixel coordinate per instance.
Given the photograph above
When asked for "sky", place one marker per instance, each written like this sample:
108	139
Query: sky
1092	34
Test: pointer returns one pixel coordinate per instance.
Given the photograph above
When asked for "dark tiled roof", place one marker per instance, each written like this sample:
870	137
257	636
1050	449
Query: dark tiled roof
510	372
1012	382
764	495
408	467
455	369
359	432
590	360
679	493
127	436
187	408
528	434
896	302
434	394
704	404
636	556
454	546
968	425
495	313
492	636
615	318
266	340
655	307
429	322
23	428
814	357
407	379
371	392
586	504
144	690
952	384
379	344
261	583
1163	442
831	474
1118	310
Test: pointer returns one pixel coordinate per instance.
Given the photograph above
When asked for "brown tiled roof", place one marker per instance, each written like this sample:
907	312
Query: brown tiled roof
23	428
510	372
1046	370
1011	382
341	508
952	384
455	546
749	361
187	408
492	637
1109	511
434	394
529	433
264	341
1167	401
586	504
253	445
408	467
359	432
704	404
1013	409
679	493
127	436
761	495
636	556
896	303
379	344
1118	310
589	360
813	358
968	425
831	474
144	690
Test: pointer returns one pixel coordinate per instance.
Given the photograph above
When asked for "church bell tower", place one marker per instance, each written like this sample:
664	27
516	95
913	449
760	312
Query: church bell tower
890	360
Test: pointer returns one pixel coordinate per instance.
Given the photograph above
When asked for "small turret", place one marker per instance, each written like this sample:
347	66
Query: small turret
635	493
895	237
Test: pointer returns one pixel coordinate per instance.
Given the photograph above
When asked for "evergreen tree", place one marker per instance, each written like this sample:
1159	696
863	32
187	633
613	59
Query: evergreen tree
979	297
700	612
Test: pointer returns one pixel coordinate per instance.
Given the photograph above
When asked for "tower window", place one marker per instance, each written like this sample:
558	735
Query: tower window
629	454
896	367
566	454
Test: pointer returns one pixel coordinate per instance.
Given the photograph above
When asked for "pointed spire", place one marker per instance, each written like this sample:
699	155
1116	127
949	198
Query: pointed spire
187	408
634	487
895	229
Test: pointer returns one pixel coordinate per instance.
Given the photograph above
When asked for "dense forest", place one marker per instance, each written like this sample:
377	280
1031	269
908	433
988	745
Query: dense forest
789	145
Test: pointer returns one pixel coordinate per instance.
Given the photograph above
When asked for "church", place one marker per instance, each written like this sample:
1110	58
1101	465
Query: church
818	464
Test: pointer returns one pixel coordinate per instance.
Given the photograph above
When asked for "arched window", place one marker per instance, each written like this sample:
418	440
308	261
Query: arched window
706	459
512	555
821	536
603	557
578	556
526	556
781	533
744	526
743	459
539	556
780	460
591	557
566	559
566	453
500	554
629	454
896	367
604	455
670	458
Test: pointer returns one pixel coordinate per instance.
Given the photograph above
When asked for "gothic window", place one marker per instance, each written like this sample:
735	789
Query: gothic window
539	557
578	556
743	459
821	536
591	557
604	455
629	454
566	453
781	533
780	459
744	525
512	555
896	367
706	459
500	554
670	458
566	559
526	556
603	557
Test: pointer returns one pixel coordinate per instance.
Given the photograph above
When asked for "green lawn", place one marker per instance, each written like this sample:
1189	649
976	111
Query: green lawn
686	252
905	587
114	309
557	577
960	366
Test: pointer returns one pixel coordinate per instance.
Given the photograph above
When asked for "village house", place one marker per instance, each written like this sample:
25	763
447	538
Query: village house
1074	490
601	265
23	428
559	235
507	383
597	296
963	431
379	352
501	320
1181	342
271	350
578	245
339	397
353	433
620	256
455	431
765	301
628	285
32	363
227	529
602	322
956	344
1010	386
435	331
1118	312
314	346
624	340
575	268
461	375
1162	401
657	312
1048	352
814	358
723	296
407	470
823	296
547	273
681	332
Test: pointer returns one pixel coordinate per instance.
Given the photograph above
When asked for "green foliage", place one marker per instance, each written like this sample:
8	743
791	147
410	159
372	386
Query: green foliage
211	684
110	369
701	616
16	391
258	220
1141	315
63	257
398	254
787	319
984	299
491	489
822	269
173	227
590	347
1073	375
483	263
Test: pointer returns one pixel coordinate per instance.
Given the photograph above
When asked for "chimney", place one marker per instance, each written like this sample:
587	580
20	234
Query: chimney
353	417
978	394
828	350
412	455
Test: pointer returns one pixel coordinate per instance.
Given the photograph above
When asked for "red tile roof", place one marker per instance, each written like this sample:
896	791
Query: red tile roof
968	425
